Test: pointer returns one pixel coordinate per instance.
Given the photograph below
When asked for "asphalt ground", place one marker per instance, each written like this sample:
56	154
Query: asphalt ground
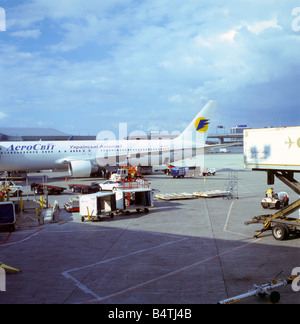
194	251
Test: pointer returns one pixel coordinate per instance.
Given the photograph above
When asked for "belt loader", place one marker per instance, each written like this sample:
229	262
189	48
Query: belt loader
275	151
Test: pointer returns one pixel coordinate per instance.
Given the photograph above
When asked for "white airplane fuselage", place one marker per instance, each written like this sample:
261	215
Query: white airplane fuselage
33	156
82	158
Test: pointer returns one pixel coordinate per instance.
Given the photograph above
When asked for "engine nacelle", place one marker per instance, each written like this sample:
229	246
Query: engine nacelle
81	168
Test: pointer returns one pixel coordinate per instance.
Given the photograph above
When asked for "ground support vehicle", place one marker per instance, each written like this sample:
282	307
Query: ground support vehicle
275	151
209	171
262	291
127	173
212	194
72	207
94	206
51	190
7	215
175	196
277	201
83	189
14	190
110	185
134	199
280	224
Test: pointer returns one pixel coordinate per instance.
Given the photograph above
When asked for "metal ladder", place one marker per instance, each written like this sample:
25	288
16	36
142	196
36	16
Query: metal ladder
231	185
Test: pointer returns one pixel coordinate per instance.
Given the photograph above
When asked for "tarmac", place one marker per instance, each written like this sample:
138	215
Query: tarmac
194	251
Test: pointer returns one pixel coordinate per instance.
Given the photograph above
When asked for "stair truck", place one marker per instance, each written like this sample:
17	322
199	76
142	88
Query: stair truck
276	152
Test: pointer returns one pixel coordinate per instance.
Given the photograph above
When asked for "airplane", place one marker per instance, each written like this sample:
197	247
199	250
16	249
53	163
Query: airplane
85	158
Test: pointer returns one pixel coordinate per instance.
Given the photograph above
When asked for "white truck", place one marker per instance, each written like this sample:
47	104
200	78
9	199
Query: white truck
12	187
275	151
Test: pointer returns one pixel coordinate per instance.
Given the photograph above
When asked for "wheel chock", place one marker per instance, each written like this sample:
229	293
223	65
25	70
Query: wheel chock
8	268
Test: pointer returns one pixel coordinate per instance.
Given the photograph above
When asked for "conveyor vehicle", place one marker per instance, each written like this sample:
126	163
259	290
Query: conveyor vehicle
42	188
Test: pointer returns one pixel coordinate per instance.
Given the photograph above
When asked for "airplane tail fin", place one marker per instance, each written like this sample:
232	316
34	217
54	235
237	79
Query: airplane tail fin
201	122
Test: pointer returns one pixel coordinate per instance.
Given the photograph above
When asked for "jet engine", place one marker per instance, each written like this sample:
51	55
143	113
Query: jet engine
81	168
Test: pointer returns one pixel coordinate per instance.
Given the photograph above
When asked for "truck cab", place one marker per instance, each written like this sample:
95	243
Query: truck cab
122	174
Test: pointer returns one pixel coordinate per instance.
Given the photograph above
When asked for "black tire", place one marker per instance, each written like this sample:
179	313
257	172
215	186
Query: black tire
274	297
280	232
20	193
277	205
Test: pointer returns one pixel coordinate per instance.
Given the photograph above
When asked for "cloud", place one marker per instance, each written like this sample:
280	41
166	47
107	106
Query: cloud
30	33
3	115
109	57
261	26
229	36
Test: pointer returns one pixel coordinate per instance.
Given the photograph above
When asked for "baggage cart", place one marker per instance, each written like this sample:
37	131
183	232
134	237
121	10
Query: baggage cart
38	189
130	199
178	172
95	206
85	189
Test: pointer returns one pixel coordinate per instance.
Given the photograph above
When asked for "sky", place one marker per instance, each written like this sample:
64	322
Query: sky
86	66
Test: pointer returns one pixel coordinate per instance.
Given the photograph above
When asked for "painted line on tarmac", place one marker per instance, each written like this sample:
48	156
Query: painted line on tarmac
170	274
226	226
85	289
4	244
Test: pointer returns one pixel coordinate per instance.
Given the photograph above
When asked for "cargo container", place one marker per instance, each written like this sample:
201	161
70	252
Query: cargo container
178	172
94	206
137	199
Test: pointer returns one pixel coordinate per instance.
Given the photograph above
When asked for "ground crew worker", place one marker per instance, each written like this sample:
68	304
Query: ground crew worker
269	193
